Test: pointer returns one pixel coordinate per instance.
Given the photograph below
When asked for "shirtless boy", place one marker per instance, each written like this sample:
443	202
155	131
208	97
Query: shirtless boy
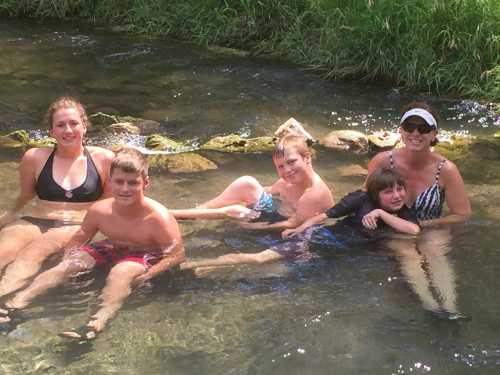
143	240
297	195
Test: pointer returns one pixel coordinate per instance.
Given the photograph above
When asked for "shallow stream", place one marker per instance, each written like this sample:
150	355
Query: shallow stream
344	311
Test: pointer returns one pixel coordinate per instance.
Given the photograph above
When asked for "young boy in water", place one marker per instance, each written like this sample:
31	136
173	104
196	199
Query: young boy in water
143	240
297	195
381	206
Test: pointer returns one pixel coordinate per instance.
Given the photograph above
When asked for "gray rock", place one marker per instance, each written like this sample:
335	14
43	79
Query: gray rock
293	127
348	140
383	140
186	162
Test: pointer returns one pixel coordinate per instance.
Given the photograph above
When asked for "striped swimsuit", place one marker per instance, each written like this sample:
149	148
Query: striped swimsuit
429	203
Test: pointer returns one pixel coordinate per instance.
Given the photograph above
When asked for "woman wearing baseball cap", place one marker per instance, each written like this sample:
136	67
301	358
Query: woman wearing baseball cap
431	179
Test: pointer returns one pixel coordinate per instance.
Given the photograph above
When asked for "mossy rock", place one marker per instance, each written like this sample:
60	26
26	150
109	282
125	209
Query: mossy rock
145	126
235	143
187	162
477	158
485	147
42	142
122	128
346	140
102	120
15	139
159	142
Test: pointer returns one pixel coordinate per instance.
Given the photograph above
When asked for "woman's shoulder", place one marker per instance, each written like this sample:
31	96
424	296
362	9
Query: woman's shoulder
382	159
100	153
37	153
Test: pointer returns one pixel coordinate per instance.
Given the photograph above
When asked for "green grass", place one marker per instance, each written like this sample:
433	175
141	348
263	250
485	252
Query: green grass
443	46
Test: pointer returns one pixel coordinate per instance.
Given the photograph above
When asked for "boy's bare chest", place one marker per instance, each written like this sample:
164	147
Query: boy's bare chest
289	196
135	231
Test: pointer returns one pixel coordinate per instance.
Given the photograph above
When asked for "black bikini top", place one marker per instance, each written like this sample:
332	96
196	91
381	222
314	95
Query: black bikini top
48	189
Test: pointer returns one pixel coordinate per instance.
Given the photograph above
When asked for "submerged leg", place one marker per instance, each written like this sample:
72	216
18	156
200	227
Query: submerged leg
434	245
30	259
13	238
411	262
72	264
118	288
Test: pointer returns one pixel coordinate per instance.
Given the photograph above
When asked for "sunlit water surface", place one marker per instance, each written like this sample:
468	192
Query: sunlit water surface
347	310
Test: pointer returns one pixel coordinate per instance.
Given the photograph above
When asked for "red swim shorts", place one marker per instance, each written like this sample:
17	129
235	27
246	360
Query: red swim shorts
105	252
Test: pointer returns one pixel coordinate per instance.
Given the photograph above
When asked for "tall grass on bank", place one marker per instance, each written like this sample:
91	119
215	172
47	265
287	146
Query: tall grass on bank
443	46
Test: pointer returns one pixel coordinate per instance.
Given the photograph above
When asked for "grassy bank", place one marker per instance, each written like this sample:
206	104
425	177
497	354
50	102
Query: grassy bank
442	46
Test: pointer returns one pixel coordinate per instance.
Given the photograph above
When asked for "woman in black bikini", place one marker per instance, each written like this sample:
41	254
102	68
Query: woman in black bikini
66	180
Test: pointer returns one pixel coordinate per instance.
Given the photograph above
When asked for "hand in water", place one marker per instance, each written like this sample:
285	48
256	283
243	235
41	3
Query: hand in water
141	280
240	212
289	233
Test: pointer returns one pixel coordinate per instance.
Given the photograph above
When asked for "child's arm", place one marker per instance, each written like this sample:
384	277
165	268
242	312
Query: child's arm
345	206
235	211
86	232
395	222
287	233
168	233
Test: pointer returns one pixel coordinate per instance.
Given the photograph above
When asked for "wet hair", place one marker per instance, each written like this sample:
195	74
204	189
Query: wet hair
381	179
66	102
299	142
427	107
130	160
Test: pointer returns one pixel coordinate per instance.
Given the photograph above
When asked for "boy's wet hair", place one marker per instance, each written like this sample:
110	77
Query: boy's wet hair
130	160
381	179
66	102
298	142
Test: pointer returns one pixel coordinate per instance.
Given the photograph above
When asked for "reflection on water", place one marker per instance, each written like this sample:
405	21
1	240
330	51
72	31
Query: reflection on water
347	311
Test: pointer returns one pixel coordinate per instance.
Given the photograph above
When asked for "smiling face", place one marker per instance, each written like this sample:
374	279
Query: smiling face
417	134
392	199
127	188
292	166
67	127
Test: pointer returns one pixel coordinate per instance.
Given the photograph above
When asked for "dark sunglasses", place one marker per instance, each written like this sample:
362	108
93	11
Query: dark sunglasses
421	128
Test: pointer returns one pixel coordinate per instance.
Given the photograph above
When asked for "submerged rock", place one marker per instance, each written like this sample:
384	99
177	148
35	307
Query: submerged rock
159	142
186	162
235	143
293	127
228	51
352	170
346	140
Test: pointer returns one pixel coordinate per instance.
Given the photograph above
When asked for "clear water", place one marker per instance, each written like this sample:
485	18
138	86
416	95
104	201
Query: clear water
346	311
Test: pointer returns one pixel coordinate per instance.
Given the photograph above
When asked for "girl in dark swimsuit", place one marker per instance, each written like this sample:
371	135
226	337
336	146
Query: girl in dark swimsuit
66	180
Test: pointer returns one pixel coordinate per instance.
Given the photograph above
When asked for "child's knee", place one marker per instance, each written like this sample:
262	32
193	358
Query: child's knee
249	187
